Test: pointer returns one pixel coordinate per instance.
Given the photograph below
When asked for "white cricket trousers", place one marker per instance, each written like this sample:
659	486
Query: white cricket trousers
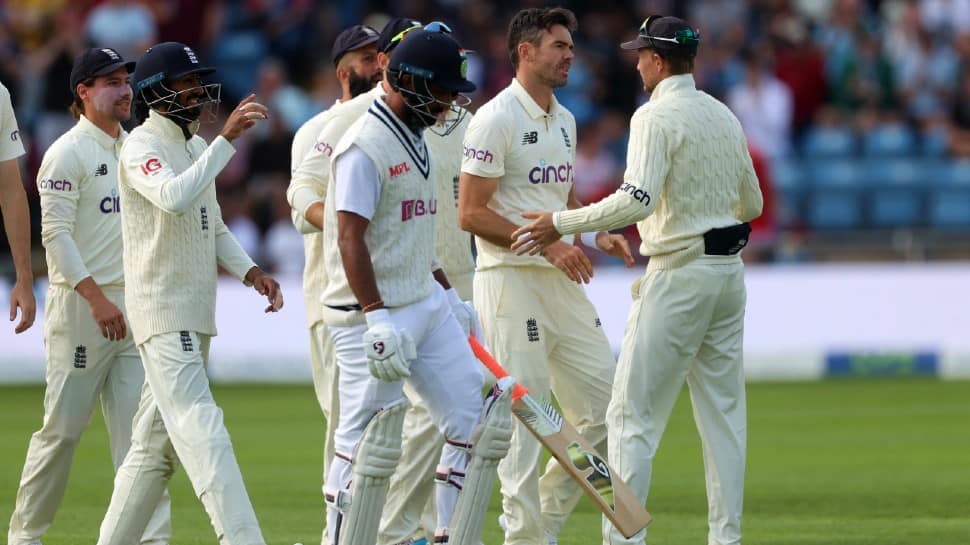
82	366
410	511
445	374
686	324
178	420
323	368
543	329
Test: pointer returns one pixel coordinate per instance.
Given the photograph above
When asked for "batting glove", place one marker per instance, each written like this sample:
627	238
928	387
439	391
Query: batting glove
465	314
389	349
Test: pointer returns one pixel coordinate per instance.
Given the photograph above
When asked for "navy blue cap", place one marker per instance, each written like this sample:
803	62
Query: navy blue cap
97	61
165	62
352	38
394	27
434	56
670	35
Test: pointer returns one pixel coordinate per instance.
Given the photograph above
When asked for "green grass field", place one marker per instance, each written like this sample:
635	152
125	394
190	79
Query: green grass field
852	462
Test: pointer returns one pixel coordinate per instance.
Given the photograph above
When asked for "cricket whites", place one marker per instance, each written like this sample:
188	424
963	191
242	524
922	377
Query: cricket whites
574	453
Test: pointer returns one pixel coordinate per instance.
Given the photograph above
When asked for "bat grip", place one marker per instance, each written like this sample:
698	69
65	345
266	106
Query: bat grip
483	356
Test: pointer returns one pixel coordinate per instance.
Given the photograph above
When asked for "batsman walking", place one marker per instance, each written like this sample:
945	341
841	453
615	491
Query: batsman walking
691	188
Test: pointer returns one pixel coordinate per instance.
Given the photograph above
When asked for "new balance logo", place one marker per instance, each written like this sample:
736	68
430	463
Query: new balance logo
532	330
565	137
530	138
102	170
186	339
80	357
204	218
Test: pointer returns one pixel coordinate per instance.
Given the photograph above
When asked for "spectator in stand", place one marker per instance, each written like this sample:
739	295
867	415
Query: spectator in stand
948	16
800	66
960	118
866	82
126	26
925	76
764	105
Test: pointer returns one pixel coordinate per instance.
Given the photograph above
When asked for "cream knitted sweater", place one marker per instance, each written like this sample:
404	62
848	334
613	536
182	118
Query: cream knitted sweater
688	171
173	232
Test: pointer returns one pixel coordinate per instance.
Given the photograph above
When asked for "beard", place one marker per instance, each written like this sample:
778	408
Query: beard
360	85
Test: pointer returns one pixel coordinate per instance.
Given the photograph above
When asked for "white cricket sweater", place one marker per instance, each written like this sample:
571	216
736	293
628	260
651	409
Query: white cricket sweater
11	146
453	247
688	171
308	184
80	210
174	236
400	237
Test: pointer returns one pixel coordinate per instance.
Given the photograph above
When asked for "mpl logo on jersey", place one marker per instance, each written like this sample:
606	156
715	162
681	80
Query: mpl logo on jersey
56	185
400	169
151	166
112	204
482	155
418	207
549	174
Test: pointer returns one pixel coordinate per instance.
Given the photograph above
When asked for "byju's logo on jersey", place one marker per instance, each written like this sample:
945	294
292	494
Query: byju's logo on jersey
400	169
530	137
102	170
56	185
482	155
417	207
546	174
110	205
151	166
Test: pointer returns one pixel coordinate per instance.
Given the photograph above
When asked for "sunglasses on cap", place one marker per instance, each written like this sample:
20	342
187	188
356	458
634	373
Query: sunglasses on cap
436	26
685	36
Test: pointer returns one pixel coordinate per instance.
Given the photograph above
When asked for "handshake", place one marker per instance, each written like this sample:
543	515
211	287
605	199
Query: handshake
390	349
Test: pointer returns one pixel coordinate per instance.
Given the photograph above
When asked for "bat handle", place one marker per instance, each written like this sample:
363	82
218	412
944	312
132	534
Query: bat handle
483	356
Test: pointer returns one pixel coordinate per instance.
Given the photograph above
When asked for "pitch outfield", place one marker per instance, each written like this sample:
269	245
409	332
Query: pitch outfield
855	462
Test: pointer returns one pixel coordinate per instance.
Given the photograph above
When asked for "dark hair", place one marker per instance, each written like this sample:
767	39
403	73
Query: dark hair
77	107
679	64
529	24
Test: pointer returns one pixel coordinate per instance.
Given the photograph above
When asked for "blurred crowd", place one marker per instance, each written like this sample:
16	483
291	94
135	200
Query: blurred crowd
787	68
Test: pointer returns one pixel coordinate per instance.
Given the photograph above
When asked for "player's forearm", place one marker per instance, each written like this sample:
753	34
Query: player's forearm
89	289
16	223
484	222
618	210
360	272
63	253
231	256
314	215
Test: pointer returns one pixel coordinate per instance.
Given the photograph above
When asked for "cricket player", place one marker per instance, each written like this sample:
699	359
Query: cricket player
174	240
89	352
389	316
354	56
691	188
16	215
519	153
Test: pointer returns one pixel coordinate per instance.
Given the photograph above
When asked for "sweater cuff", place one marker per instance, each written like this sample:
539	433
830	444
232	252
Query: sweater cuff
569	222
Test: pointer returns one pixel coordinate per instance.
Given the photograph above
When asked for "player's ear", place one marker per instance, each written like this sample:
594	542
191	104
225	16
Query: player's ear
526	51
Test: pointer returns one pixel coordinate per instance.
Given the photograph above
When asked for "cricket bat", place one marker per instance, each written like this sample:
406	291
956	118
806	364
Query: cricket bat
574	453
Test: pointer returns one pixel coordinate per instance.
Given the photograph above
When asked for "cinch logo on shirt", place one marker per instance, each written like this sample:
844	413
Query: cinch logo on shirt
544	174
324	148
400	169
151	165
417	207
482	155
56	185
110	205
636	193
15	135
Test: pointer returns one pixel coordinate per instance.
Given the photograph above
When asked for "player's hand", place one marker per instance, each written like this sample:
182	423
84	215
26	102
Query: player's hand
614	245
570	260
465	314
109	318
389	349
264	284
22	297
536	236
243	117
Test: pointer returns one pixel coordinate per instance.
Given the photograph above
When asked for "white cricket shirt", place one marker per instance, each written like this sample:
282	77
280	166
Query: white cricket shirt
531	152
80	208
10	144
